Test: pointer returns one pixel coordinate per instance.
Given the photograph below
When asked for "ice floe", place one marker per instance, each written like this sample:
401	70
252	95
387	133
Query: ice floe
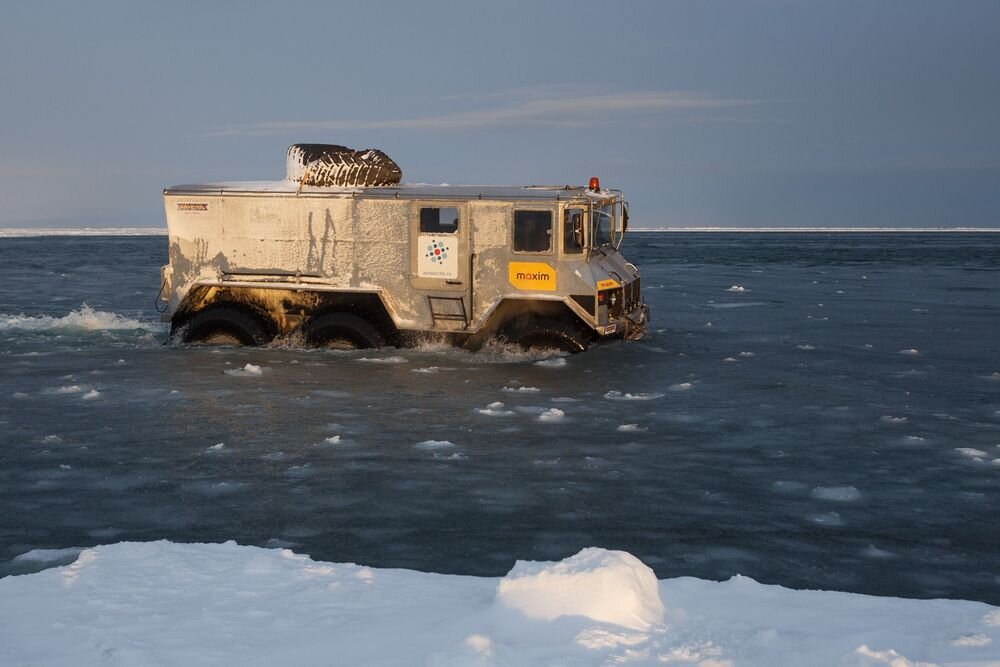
625	396
495	409
384	360
530	390
554	362
231	604
631	428
837	493
434	444
910	352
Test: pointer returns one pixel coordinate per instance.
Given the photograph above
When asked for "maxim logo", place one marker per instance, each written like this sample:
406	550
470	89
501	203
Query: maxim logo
532	276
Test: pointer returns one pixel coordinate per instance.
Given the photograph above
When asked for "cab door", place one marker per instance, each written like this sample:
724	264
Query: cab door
439	261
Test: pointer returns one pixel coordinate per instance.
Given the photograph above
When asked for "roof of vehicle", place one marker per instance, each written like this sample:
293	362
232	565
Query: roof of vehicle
404	191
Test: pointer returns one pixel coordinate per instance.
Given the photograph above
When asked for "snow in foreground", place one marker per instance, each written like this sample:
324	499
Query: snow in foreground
160	603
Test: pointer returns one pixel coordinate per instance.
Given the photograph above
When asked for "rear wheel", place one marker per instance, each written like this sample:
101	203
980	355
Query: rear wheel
224	325
547	334
344	331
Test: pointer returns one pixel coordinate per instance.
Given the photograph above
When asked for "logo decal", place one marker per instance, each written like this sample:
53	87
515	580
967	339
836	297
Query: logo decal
534	276
607	284
437	251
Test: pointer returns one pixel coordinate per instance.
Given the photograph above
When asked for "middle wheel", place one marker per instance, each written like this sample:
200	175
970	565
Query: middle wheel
344	331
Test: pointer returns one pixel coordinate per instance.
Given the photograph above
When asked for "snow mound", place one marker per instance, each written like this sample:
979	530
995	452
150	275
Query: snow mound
604	586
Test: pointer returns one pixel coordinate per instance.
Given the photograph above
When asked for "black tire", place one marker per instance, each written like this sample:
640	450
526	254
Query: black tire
535	333
224	325
342	331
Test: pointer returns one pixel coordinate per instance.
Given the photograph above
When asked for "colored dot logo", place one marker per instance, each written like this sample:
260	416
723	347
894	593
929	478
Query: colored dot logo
437	251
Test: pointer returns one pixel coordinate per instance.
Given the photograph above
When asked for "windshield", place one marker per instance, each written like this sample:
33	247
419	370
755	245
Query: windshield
603	220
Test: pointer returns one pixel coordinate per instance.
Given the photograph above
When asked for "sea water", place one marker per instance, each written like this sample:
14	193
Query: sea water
812	410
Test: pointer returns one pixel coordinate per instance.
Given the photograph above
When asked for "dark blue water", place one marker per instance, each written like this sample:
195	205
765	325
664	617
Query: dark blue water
833	422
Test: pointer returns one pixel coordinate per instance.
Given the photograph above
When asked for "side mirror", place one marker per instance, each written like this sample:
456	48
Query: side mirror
624	217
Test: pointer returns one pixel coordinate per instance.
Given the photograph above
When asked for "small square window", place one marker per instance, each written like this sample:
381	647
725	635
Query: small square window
439	220
532	231
573	231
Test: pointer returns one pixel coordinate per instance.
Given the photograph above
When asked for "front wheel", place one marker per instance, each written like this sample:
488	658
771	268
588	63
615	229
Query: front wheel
547	334
343	331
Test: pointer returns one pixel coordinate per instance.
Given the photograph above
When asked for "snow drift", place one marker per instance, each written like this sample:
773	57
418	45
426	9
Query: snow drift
160	603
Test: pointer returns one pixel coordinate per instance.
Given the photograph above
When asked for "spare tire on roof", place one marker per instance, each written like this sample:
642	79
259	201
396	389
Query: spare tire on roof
332	165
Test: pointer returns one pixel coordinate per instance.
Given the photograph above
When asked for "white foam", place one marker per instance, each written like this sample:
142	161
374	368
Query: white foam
554	362
434	444
836	493
84	319
552	415
495	409
384	360
619	396
806	346
249	370
631	428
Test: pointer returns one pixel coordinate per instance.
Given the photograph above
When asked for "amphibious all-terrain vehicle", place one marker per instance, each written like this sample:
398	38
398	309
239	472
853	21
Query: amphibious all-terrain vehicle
338	254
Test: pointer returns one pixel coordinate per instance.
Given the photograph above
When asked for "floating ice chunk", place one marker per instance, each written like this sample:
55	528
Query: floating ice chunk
913	439
806	346
522	389
332	440
604	586
730	359
746	354
384	360
872	551
838	493
619	396
69	554
680	386
782	486
51	440
19	395
250	370
972	640
911	352
826	519
972	453
69	389
91	395
218	447
992	376
495	409
889	419
565	399
552	415
431	445
554	362
631	428
738	288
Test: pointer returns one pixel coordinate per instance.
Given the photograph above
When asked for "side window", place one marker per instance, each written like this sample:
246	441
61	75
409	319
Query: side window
439	220
573	231
532	231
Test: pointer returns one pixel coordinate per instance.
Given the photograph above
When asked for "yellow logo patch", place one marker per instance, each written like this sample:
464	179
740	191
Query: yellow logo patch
607	284
536	276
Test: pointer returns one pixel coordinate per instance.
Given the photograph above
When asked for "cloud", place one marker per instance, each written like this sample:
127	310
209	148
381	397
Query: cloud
519	108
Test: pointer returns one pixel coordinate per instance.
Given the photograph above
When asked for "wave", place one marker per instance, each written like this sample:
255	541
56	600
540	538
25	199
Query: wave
84	319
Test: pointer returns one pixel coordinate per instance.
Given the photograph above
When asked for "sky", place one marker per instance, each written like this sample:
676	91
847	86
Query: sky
705	113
